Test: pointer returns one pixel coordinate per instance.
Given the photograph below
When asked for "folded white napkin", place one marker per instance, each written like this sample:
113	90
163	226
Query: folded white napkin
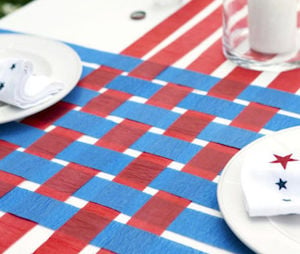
270	180
20	87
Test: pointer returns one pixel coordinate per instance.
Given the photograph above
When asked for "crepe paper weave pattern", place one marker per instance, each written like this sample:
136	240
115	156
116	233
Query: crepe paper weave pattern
129	161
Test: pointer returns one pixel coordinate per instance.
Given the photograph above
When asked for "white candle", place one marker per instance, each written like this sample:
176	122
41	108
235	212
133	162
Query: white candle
166	2
272	25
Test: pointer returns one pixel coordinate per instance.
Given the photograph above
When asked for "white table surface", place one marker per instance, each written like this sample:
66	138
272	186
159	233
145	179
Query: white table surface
98	24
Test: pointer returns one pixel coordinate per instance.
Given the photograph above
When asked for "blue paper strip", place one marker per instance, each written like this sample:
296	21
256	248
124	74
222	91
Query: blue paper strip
117	196
155	116
122	238
134	86
228	135
80	96
188	78
31	167
38	208
185	185
20	134
86	123
121	62
169	147
208	229
279	122
95	157
210	105
272	97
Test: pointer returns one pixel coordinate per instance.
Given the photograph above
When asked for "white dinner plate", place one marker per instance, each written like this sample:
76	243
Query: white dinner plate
52	58
274	234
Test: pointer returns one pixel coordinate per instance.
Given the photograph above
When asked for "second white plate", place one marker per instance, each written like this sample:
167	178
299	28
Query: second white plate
51	58
276	234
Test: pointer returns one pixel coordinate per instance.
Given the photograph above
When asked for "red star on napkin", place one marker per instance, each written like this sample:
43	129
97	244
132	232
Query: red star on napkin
283	160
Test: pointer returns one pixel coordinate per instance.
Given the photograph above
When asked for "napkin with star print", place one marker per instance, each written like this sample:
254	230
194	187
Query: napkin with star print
20	87
270	182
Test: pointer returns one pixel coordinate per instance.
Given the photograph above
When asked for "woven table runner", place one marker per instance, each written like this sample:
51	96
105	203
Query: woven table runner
129	161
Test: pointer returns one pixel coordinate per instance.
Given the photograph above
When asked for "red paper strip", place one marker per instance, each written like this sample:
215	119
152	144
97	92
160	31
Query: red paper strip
99	78
227	89
189	125
118	139
67	181
157	214
142	171
53	142
254	117
148	70
209	60
210	160
12	228
105	103
169	96
233	84
45	118
6	148
151	39
8	182
287	81
73	236
189	40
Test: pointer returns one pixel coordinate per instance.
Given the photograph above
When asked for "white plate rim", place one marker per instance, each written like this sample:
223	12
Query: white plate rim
10	113
261	225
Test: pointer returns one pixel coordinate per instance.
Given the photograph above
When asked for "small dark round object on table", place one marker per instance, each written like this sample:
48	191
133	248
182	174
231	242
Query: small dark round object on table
138	15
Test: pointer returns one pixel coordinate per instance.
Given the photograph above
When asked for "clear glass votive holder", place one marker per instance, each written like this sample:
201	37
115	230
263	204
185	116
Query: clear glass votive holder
262	34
